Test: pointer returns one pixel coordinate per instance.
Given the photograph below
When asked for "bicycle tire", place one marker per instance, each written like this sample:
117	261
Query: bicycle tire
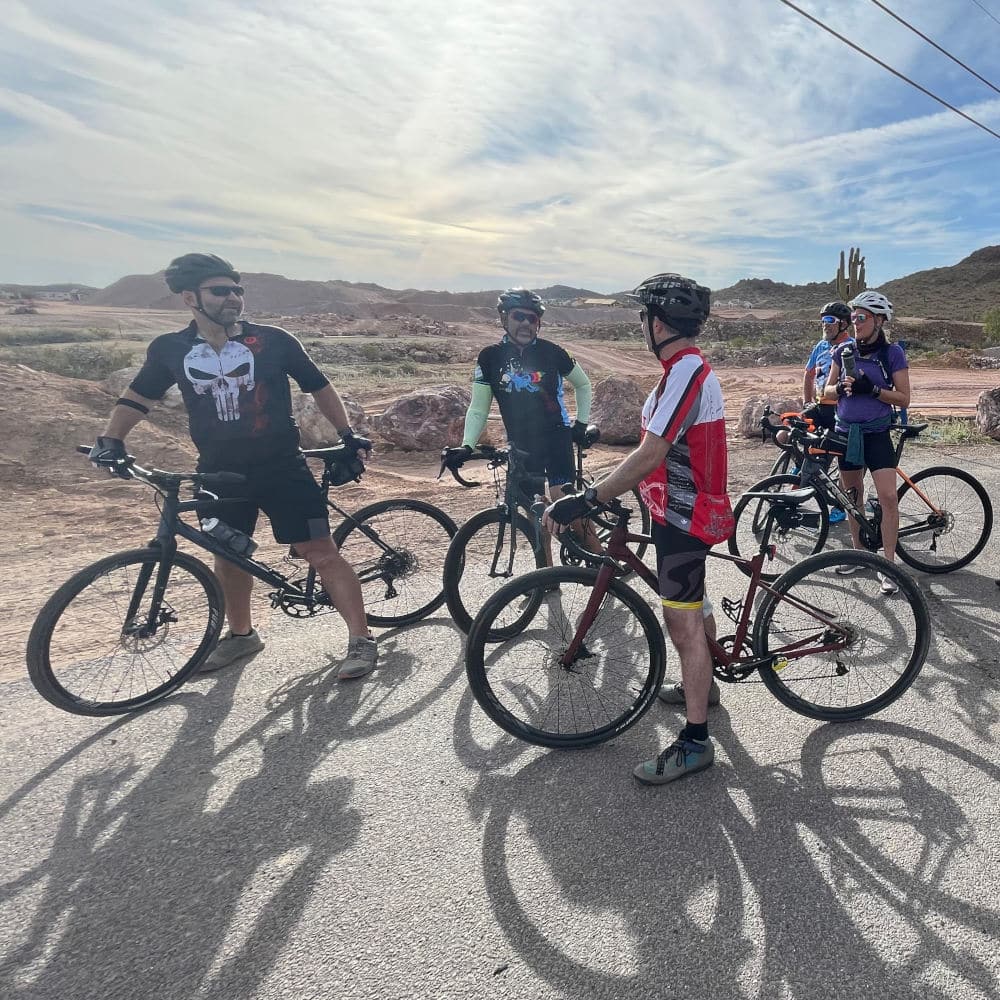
66	629
781	464
625	629
804	531
851	680
467	584
963	508
405	584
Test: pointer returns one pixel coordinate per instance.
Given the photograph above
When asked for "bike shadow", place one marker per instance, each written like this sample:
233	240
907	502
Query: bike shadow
744	880
184	875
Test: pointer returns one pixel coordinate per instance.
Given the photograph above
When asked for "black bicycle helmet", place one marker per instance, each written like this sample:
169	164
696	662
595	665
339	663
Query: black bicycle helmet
675	297
520	298
187	272
841	310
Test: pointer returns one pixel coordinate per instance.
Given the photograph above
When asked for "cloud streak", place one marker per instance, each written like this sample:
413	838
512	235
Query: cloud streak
439	145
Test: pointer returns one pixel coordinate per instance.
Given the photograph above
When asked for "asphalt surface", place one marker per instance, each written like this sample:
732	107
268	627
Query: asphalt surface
271	832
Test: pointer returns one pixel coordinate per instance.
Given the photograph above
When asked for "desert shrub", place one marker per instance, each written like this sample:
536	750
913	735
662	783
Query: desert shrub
951	430
44	335
89	361
991	325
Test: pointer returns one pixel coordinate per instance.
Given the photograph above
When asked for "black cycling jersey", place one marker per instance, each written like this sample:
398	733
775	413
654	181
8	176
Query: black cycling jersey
528	385
238	399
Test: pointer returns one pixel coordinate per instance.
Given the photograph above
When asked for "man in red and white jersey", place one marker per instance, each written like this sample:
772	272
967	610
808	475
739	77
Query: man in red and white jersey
680	468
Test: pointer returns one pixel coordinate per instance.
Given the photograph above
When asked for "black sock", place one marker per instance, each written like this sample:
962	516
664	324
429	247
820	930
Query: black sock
241	635
695	731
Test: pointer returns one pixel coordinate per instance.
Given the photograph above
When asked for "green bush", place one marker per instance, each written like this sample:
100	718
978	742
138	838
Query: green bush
991	325
80	361
44	335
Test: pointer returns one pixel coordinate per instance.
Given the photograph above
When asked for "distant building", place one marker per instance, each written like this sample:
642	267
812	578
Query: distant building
598	302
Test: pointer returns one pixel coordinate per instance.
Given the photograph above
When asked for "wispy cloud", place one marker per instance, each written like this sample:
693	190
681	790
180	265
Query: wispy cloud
455	145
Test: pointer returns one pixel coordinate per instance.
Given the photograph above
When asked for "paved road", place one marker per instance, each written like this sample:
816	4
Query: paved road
271	833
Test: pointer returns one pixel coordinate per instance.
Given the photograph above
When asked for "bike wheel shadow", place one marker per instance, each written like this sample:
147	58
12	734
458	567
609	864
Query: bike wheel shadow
733	882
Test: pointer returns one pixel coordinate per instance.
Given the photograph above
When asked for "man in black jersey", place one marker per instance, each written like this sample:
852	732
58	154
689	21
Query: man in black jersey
233	376
525	374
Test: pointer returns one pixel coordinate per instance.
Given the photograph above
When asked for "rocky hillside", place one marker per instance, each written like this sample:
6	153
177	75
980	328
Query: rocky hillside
964	291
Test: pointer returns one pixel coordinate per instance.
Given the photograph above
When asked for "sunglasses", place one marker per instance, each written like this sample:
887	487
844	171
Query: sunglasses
523	317
829	320
221	291
860	317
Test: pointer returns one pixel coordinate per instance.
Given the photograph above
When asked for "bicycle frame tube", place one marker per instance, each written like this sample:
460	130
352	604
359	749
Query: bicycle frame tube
618	553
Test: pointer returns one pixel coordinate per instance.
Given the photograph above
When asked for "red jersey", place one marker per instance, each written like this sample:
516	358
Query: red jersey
689	490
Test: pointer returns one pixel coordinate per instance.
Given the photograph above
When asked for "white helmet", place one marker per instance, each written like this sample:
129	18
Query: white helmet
874	302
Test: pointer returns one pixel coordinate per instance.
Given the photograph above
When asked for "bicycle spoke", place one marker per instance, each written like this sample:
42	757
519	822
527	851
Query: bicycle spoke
602	691
880	639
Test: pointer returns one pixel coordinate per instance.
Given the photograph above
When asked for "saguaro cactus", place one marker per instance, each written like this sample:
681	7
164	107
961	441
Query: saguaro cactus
852	280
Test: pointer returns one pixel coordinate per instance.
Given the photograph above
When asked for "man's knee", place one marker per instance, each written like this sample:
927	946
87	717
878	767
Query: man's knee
321	554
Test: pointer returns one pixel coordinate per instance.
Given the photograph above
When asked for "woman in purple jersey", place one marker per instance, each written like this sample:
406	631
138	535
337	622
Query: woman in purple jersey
867	379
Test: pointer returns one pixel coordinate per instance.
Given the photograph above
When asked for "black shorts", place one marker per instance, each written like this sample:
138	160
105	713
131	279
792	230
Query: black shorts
825	416
880	453
680	567
285	490
550	455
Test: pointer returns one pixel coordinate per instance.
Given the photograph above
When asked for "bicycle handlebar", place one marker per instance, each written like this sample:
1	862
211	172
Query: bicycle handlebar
168	480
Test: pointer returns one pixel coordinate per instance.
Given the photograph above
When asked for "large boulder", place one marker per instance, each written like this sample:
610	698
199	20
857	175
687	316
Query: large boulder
753	410
315	430
118	381
617	410
988	413
426	419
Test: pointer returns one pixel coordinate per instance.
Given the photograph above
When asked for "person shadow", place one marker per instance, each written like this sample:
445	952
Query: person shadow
184	878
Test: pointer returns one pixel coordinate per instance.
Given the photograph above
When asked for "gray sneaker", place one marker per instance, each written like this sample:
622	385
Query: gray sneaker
681	758
362	654
674	694
231	648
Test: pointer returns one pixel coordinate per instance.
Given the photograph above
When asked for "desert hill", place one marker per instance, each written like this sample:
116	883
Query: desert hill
962	291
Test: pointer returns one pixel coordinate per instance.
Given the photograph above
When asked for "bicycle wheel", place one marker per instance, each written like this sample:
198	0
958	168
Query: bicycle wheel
886	636
950	539
796	532
89	652
397	548
481	543
781	464
521	685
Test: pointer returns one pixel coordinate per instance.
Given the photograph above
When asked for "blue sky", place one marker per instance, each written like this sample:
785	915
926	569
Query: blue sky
435	144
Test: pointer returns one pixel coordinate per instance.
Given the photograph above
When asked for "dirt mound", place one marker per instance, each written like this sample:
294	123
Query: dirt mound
43	417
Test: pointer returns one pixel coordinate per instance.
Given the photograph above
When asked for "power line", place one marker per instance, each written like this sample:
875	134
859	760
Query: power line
982	8
930	41
886	66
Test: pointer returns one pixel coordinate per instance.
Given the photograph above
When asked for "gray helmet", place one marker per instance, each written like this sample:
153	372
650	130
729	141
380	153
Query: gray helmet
676	297
187	272
520	298
841	310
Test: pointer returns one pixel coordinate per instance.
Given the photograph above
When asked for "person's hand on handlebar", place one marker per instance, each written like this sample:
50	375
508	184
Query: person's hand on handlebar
354	443
455	458
580	433
560	515
109	453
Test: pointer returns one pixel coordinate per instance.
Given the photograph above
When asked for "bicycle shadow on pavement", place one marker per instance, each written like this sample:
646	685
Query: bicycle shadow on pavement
185	877
745	880
965	613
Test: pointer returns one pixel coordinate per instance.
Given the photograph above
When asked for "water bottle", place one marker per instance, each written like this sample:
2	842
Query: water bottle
240	543
849	366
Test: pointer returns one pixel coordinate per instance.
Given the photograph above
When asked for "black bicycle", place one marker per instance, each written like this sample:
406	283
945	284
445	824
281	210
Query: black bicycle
945	514
505	541
131	628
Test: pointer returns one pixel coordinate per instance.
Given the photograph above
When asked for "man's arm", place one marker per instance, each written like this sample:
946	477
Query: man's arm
125	416
332	407
583	390
477	414
809	386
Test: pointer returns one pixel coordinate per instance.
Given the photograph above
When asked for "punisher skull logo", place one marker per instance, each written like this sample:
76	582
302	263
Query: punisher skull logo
222	374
